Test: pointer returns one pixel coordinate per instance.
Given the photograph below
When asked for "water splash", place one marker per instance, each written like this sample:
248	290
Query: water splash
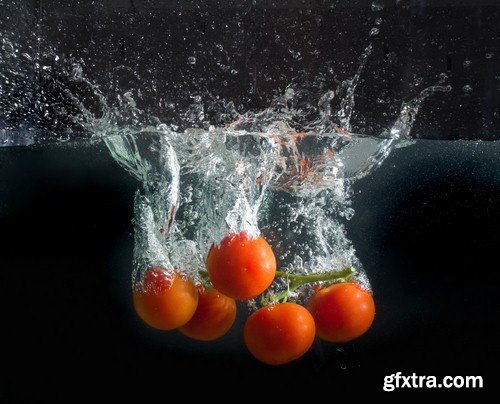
258	174
284	171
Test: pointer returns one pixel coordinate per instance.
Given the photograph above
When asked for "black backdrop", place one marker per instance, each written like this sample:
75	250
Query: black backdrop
426	229
425	226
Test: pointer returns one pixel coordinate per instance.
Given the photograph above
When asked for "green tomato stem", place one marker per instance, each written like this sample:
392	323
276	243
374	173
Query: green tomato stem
297	280
344	273
205	279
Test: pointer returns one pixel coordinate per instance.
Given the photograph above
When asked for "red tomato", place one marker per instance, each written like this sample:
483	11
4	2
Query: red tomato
165	300
342	312
241	267
213	317
279	333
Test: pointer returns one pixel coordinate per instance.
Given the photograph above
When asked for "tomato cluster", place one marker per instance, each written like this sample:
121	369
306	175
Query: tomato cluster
241	268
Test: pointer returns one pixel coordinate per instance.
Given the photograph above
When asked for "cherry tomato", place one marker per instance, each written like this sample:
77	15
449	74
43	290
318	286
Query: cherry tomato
165	300
279	333
342	312
213	317
241	267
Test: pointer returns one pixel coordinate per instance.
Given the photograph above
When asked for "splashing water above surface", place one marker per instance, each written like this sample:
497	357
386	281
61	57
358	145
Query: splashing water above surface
214	168
257	174
285	171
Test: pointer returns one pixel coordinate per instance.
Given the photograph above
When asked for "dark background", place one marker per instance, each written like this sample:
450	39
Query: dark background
426	223
425	228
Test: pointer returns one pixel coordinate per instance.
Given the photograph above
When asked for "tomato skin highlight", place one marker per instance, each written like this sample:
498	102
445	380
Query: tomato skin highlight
165	300
213	317
342	312
241	267
279	333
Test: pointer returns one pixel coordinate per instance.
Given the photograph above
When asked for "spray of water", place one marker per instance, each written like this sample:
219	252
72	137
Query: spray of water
258	174
284	171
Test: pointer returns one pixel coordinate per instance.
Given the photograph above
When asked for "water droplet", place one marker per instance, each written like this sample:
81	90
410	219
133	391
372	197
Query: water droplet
489	55
224	67
343	367
378	21
377	6
7	46
339	349
77	72
467	88
295	54
442	78
395	132
234	72
374	31
349	213
191	60
467	63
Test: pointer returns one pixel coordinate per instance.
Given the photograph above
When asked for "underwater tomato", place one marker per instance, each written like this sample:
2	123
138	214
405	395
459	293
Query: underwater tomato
241	267
279	333
342	312
213	317
165	300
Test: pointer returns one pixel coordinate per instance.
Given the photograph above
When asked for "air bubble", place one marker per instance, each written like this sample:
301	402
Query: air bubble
349	213
377	7
296	54
7	46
